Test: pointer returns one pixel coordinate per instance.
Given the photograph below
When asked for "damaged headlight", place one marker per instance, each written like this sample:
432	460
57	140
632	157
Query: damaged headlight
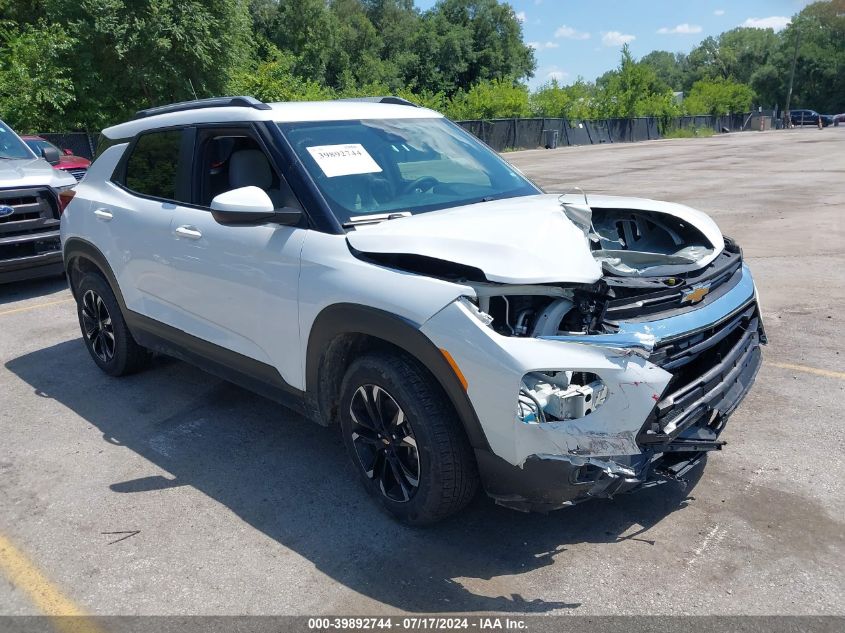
553	396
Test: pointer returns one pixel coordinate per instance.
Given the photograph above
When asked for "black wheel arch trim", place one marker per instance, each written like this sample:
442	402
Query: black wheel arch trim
76	247
349	318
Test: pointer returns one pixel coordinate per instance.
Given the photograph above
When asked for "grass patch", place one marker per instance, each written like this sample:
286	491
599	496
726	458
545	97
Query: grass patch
689	132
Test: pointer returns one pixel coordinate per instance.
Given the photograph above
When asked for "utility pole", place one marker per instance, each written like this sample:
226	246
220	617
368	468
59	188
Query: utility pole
792	73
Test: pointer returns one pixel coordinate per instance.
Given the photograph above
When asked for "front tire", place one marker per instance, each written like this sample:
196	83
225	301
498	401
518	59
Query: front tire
104	330
405	439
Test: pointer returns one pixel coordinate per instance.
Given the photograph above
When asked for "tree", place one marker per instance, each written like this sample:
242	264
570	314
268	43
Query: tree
274	80
131	55
474	40
718	97
668	68
355	57
570	102
35	84
820	69
632	90
494	99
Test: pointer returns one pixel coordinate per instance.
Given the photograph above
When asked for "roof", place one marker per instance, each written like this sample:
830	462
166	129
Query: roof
287	112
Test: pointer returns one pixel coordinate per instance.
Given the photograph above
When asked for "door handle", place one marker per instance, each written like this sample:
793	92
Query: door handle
103	214
191	232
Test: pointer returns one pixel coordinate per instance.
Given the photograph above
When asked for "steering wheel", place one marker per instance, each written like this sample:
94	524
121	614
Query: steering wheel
420	184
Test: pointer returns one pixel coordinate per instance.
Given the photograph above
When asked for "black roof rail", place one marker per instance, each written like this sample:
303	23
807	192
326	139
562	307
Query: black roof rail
384	99
198	104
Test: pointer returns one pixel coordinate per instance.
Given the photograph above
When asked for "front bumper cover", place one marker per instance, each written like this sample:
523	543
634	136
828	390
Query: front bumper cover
546	483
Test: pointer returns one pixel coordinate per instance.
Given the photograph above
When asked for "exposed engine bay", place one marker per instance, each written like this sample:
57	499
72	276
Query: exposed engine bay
641	243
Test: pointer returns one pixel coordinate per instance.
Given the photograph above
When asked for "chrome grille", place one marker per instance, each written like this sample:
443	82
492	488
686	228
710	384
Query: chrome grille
34	209
712	371
79	174
649	298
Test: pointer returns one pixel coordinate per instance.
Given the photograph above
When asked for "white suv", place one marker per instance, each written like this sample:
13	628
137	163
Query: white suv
373	265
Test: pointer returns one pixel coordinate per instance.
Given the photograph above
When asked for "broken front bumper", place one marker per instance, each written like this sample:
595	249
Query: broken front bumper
669	399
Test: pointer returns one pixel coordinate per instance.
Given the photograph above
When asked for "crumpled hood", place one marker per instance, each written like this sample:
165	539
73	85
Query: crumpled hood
525	240
32	172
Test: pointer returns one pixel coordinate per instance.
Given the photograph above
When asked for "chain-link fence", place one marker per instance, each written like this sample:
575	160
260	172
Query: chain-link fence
80	143
727	123
507	134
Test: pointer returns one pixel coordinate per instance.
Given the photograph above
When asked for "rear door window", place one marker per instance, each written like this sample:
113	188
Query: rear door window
153	169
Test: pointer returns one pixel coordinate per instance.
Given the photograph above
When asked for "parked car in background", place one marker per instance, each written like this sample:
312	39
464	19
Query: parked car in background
377	267
30	206
75	165
809	117
839	118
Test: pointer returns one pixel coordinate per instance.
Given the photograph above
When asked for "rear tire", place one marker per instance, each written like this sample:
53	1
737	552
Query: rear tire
405	439
104	330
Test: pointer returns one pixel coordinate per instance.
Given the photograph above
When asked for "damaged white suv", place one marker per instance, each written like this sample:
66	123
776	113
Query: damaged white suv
377	267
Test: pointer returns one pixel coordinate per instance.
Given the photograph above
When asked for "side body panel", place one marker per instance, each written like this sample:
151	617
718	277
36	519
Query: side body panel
237	286
331	275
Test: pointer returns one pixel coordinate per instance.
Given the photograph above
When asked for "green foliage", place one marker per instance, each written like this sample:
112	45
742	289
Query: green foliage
493	99
85	64
632	90
35	85
494	37
274	80
718	97
820	68
668	68
126	55
762	59
569	102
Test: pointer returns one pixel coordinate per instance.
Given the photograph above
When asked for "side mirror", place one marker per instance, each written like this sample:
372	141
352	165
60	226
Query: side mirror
250	205
51	155
68	152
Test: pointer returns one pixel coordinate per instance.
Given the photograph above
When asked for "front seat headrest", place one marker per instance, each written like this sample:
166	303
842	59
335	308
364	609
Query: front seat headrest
249	168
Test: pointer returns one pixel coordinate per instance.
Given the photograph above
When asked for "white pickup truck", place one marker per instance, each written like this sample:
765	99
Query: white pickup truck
29	209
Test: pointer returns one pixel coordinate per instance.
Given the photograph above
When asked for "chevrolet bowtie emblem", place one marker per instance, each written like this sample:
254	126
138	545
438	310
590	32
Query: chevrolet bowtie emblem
695	295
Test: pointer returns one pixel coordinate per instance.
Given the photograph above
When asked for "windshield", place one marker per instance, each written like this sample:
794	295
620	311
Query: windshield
37	144
400	165
10	145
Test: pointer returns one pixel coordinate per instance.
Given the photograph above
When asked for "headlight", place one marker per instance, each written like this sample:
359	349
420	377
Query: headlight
553	396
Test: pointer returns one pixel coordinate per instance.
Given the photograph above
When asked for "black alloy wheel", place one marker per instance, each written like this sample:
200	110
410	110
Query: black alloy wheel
97	326
405	439
104	329
384	443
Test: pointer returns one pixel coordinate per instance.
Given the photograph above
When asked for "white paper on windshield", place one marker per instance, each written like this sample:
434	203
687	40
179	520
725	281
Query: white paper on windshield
343	160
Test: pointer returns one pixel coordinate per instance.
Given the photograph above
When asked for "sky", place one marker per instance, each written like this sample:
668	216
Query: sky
584	37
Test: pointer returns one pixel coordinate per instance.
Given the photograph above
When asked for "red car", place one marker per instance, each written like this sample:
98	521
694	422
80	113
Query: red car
69	162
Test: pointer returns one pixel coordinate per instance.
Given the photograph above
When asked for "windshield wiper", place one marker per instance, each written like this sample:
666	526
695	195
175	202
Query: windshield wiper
375	218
